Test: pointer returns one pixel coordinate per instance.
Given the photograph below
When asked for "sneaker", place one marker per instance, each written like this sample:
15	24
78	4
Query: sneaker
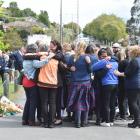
105	124
111	124
58	122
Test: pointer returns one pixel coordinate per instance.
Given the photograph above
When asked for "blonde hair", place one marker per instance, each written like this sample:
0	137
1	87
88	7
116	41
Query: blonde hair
67	47
121	55
80	49
134	51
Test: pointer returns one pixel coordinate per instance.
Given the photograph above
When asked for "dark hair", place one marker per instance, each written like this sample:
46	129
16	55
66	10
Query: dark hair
89	49
32	48
98	46
109	52
101	51
72	46
56	43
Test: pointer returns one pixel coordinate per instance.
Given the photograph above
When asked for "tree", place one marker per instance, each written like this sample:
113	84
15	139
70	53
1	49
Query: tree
106	27
74	26
1	3
14	10
28	12
37	30
44	18
133	24
13	4
12	38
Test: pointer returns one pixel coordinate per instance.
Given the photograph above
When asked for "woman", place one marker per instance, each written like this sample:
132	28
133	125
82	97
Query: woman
30	87
132	85
48	85
109	85
79	100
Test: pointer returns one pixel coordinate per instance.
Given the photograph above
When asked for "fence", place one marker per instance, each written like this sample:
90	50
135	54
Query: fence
9	85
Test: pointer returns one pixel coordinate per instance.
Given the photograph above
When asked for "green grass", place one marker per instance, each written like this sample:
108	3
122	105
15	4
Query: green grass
11	88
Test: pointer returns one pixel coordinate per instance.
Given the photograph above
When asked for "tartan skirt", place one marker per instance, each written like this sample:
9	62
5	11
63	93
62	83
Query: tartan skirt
81	96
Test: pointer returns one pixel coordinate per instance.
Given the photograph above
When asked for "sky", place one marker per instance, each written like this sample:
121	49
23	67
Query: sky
88	9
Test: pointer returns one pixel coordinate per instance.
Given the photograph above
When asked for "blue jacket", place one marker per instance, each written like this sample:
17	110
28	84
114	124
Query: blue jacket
132	72
18	60
30	67
2	64
110	78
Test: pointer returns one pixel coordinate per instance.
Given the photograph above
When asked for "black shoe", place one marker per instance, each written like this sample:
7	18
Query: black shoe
84	124
98	123
51	126
25	122
44	125
77	125
133	125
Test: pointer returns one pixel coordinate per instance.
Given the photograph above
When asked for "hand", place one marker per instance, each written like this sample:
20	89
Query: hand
51	55
108	58
117	73
43	53
109	66
43	57
73	68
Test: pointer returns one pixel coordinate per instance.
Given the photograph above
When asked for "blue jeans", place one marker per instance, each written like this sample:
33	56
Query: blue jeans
81	117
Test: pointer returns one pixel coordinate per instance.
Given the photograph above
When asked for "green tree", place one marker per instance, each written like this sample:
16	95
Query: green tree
14	10
37	30
28	12
14	40
4	47
106	27
74	26
13	4
44	18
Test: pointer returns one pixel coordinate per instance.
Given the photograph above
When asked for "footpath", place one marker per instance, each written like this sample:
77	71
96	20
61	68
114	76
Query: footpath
11	129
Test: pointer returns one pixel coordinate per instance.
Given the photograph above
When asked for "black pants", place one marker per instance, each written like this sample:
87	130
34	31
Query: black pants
48	104
109	98
2	75
30	104
58	102
122	102
39	112
134	102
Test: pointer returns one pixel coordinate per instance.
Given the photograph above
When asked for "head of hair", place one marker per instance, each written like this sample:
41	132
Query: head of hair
98	46
32	48
109	51
101	51
134	51
67	47
56	43
80	49
121	54
89	49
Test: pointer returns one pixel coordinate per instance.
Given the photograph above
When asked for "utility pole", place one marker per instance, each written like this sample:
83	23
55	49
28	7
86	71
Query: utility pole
61	27
78	20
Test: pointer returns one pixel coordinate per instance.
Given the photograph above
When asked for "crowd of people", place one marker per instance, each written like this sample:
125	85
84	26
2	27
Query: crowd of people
82	80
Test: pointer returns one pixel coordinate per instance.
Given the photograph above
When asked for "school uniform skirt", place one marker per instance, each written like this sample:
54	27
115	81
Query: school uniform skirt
81	96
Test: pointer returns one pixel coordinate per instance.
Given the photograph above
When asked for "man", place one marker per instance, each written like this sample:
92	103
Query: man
116	48
2	65
18	59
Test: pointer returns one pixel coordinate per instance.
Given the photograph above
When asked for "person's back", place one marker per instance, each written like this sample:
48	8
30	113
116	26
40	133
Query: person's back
81	73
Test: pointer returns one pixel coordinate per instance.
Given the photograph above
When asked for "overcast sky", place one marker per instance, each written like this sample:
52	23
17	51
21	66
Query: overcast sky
88	9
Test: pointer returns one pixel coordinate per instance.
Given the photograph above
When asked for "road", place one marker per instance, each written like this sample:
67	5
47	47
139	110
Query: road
11	129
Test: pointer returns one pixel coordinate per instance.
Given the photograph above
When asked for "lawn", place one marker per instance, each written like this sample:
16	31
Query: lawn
11	88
